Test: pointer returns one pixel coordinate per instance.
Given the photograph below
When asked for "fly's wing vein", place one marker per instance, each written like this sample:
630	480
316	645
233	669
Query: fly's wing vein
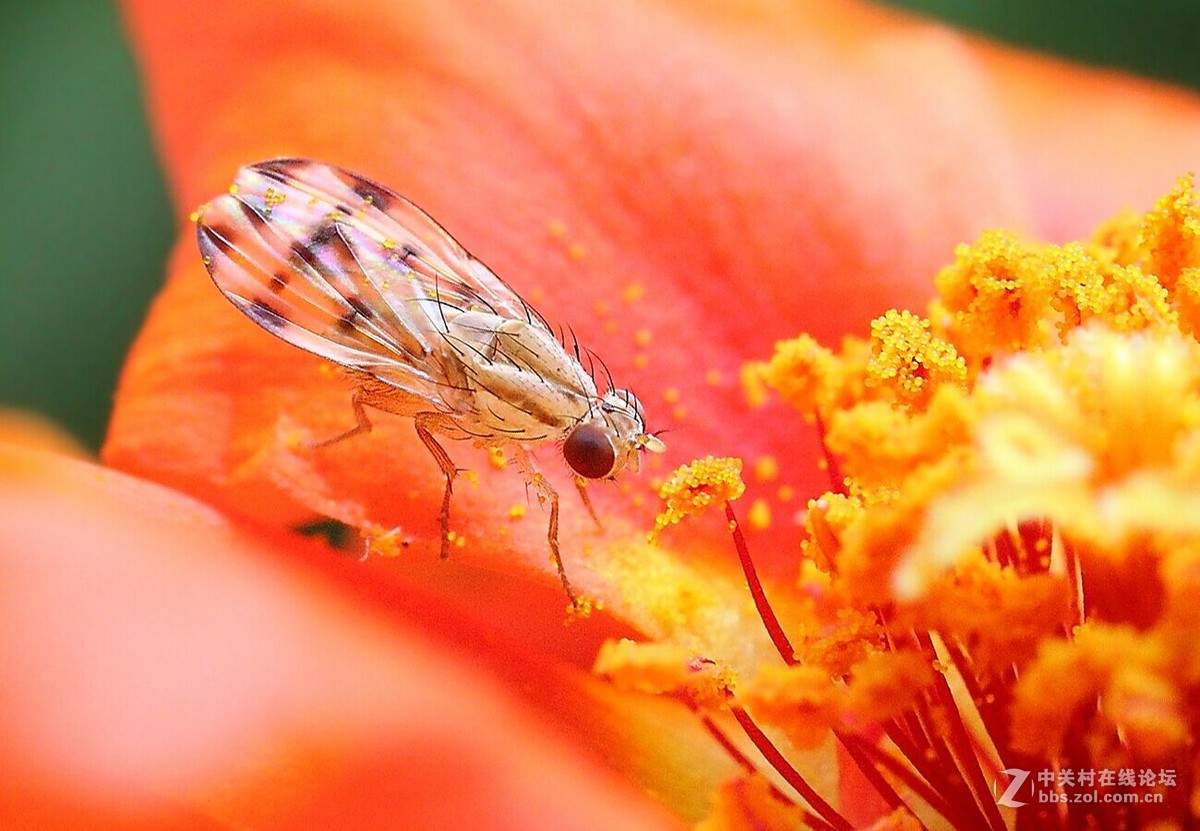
302	270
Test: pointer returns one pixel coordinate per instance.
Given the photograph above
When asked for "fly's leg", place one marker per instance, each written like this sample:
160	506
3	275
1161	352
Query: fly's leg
581	486
362	425
546	493
425	423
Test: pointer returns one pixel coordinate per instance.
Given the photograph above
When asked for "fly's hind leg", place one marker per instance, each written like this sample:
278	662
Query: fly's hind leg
547	493
362	423
426	423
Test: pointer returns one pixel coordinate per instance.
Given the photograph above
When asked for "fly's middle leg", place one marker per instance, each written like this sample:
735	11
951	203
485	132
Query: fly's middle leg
581	486
426	423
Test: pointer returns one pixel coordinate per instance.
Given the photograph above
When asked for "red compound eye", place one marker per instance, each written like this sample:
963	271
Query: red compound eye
589	451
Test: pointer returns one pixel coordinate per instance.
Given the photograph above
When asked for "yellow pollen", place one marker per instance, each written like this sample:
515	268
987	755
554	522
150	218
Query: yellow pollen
633	292
272	198
759	518
766	469
694	487
660	668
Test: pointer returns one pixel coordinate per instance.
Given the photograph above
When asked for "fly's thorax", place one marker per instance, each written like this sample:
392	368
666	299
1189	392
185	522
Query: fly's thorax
522	384
609	437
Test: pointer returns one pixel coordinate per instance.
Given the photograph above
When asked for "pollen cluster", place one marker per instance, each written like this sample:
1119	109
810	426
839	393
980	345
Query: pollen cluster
1005	571
695	487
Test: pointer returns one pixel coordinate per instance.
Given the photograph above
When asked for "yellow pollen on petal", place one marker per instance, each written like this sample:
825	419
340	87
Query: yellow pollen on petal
759	516
754	384
384	542
666	592
766	468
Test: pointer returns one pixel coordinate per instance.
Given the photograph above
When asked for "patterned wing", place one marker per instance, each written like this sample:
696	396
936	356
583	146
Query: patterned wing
350	271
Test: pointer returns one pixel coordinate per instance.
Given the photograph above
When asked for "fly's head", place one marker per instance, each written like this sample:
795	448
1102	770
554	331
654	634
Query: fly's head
610	437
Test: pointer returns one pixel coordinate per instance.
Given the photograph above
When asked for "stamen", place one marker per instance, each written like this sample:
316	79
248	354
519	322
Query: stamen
837	482
784	768
960	742
868	756
761	604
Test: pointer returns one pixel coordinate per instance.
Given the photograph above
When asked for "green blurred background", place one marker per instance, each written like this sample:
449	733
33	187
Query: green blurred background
85	223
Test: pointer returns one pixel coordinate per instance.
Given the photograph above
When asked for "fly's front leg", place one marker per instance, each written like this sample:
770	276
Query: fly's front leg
581	486
362	425
426	423
547	493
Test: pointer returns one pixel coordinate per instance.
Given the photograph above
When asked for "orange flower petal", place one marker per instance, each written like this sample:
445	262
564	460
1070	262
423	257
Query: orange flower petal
31	430
682	187
163	668
1089	141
